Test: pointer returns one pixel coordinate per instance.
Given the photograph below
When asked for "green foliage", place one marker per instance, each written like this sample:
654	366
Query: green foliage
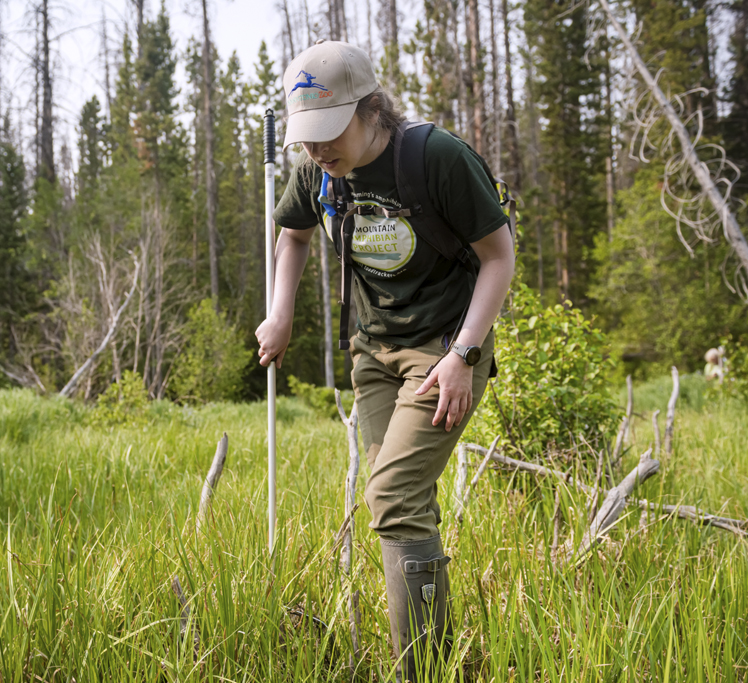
736	377
322	399
123	403
552	388
660	306
213	359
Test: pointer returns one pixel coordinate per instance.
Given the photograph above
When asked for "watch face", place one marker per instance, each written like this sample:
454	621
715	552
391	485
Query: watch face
472	355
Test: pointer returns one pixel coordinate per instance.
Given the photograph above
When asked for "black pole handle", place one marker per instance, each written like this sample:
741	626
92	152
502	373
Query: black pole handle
268	136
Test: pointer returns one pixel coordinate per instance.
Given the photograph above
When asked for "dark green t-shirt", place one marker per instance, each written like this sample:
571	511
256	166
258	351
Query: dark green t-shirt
406	292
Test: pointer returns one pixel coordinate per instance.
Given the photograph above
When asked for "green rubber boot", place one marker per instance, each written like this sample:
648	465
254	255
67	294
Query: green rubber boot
417	596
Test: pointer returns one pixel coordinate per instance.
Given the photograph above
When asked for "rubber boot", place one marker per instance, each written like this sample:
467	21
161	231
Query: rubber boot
417	596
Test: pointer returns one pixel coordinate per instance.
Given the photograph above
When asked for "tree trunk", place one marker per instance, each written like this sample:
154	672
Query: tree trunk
47	142
609	178
515	174
459	73
476	75
210	171
534	168
495	96
139	9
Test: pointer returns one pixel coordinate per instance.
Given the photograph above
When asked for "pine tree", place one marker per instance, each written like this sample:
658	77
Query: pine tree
16	293
735	124
569	100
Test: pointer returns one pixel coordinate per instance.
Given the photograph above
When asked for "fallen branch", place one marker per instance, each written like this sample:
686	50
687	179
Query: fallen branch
613	505
347	530
211	481
698	516
70	386
670	424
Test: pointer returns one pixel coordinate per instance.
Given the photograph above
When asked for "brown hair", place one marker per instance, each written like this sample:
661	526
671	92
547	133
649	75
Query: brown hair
380	101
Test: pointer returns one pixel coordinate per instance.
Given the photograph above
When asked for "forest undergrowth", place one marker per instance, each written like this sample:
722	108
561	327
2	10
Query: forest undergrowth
97	520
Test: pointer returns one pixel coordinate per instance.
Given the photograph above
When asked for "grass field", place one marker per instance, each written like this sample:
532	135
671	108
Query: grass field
97	520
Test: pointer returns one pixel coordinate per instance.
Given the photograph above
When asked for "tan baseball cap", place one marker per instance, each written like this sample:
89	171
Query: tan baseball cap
323	85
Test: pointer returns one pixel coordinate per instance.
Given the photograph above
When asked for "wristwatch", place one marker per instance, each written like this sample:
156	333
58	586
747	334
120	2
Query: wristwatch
470	354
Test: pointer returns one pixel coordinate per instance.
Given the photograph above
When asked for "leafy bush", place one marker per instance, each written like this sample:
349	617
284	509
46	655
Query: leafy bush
552	386
322	399
736	377
213	359
123	403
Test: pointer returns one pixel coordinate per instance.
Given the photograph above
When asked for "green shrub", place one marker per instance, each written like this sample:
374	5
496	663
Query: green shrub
736	377
552	387
322	399
123	403
211	364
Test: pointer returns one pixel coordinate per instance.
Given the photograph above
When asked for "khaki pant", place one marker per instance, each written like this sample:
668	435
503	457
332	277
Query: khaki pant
406	453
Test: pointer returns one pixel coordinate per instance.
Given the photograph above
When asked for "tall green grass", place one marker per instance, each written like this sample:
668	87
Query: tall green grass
96	521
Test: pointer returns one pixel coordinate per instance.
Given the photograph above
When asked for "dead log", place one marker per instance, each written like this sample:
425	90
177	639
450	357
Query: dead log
613	505
347	530
670	424
211	481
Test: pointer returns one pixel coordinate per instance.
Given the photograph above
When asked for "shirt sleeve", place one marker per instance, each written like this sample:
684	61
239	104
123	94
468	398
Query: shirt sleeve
298	208
460	189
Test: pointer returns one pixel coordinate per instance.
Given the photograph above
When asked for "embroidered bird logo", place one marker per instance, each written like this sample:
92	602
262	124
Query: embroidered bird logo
308	83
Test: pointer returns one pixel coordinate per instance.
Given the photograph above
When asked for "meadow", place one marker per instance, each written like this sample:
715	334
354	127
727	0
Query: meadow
96	520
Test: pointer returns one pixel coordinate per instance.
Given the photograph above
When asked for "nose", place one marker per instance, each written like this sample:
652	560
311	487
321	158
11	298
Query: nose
318	148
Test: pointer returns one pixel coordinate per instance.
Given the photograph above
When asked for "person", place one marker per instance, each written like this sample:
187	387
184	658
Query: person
409	300
713	369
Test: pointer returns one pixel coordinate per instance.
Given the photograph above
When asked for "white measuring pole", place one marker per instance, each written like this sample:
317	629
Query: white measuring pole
269	143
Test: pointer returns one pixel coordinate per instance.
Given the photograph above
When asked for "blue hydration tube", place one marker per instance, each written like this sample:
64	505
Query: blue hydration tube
323	198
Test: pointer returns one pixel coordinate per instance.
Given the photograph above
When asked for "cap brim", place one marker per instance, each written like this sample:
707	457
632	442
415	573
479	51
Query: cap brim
318	125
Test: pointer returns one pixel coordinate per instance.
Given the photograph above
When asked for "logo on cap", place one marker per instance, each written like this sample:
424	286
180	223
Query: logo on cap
308	84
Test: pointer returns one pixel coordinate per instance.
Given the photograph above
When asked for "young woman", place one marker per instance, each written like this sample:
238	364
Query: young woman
410	300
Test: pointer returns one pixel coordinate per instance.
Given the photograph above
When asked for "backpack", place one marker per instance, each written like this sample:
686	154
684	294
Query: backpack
427	222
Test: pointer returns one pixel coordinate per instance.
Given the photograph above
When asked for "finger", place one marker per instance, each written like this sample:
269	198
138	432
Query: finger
279	357
441	410
430	381
462	409
452	414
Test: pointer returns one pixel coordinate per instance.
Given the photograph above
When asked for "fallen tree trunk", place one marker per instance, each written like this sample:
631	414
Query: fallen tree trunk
613	505
670	424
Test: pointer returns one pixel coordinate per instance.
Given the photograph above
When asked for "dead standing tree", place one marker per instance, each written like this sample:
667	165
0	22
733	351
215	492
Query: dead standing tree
685	171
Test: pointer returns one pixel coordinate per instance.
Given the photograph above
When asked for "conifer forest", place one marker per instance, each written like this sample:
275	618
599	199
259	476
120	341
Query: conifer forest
160	194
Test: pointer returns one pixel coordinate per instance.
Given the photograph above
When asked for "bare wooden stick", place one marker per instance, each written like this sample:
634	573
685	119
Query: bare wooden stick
530	467
629	408
670	424
624	433
481	469
592	509
613	505
463	462
346	554
656	430
185	614
694	514
70	386
211	481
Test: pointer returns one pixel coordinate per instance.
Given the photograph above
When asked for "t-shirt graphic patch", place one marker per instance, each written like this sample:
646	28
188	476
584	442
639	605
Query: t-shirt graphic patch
381	243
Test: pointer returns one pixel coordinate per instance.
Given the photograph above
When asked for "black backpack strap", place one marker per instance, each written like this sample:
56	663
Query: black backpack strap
410	178
342	191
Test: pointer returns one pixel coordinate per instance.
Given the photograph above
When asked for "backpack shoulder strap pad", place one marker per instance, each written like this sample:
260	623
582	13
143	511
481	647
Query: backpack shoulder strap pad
410	178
